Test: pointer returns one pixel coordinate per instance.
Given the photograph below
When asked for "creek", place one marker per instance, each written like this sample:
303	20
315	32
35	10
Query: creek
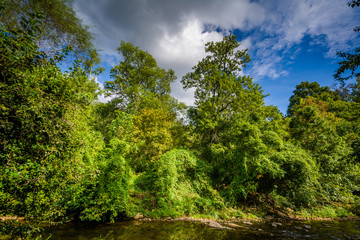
134	230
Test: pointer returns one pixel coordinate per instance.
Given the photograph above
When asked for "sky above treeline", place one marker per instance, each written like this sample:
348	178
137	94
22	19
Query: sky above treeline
289	41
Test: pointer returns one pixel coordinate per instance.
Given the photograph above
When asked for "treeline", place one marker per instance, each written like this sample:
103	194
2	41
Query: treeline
64	155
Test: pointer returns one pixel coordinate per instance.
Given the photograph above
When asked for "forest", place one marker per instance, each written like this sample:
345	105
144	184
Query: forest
64	155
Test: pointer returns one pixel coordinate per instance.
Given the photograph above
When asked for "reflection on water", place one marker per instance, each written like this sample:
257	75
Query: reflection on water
134	230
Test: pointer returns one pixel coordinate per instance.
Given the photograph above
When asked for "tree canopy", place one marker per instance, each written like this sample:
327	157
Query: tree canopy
306	89
137	77
221	91
59	26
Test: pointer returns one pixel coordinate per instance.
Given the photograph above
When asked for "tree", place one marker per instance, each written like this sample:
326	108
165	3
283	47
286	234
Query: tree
42	125
138	77
355	90
349	92
321	130
354	3
221	91
59	27
352	60
306	89
351	63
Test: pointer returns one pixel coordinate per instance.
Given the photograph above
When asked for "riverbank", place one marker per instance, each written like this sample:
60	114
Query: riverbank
326	213
260	213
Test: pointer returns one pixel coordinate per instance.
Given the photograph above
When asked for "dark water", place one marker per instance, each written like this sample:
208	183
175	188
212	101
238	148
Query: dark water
134	230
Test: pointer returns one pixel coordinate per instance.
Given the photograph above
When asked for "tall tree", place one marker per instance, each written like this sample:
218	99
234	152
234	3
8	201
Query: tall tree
42	124
138	77
221	91
59	27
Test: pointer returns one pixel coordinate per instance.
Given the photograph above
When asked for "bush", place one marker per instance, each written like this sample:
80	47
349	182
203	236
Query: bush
109	195
180	186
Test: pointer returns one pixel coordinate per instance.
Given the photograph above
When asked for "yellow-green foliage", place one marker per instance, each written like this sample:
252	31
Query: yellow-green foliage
109	195
153	135
324	212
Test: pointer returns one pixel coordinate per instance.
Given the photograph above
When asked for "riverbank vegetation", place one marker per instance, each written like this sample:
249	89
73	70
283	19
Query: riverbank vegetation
66	156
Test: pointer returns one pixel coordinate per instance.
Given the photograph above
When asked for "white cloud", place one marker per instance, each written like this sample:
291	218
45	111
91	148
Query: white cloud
186	48
182	51
174	31
102	98
245	44
328	23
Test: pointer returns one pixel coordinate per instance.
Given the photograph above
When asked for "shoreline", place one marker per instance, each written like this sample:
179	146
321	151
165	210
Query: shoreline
244	221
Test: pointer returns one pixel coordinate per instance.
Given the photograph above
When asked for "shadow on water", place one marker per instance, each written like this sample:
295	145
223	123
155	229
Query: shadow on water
134	230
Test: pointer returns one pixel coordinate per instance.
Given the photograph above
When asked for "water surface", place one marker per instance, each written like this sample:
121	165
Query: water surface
134	230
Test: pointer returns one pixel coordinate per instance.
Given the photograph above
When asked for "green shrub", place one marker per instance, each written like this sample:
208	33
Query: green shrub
261	162
180	186
109	195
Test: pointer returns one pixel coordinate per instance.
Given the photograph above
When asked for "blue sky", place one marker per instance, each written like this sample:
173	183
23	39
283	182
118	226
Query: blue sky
289	41
310	63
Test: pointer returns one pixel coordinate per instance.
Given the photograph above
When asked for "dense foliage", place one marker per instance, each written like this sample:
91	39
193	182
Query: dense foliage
42	113
64	155
59	26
